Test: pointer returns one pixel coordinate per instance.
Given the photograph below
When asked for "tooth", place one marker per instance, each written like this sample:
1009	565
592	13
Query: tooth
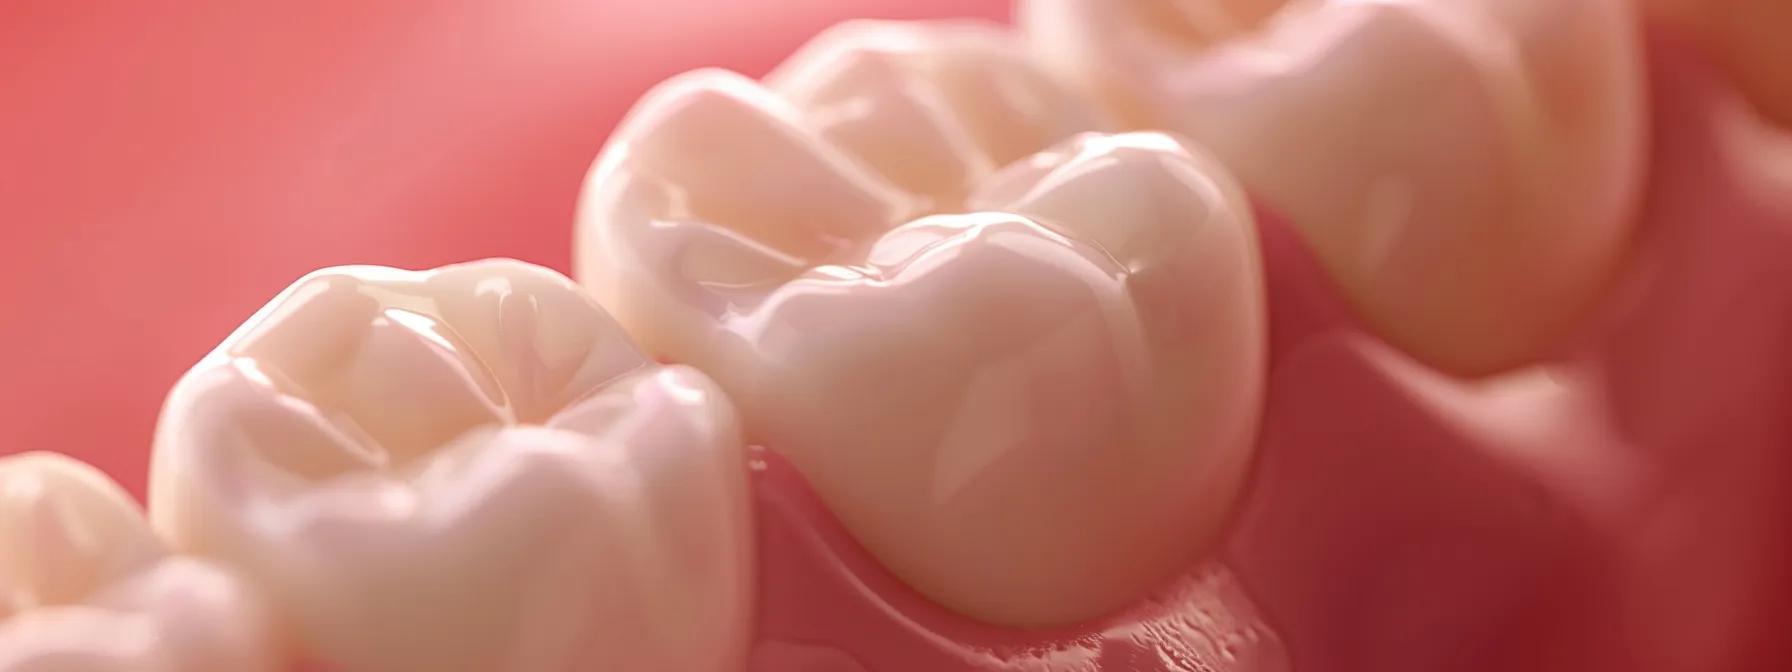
85	586
1031	414
1466	171
469	468
933	107
1745	37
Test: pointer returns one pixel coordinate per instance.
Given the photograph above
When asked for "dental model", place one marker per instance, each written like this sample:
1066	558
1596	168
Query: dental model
1033	409
1466	171
85	586
470	468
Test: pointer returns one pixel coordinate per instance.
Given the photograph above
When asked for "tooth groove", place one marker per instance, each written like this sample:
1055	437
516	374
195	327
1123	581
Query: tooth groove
538	537
893	369
935	108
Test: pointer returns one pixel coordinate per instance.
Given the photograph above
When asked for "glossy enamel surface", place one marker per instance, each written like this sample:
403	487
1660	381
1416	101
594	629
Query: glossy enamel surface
1033	411
469	468
1467	172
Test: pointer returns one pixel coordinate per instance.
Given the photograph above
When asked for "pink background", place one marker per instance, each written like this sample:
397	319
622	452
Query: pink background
166	167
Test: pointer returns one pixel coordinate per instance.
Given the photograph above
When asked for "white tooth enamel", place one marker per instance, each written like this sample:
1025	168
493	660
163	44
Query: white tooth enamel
934	107
1032	418
1465	170
464	469
85	586
75	528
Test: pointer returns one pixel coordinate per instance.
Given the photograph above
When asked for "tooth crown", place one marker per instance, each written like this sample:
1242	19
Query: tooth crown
933	107
1466	171
1031	413
463	469
85	585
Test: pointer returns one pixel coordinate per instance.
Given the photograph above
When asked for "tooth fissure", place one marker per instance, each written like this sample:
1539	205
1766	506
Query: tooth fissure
541	468
967	392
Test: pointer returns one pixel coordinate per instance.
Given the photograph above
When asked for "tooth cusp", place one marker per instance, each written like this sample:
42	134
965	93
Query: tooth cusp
85	586
524	517
1031	413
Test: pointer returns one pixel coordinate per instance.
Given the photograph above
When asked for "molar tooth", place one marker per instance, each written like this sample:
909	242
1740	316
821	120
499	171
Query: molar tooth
381	366
596	518
770	198
816	196
1465	171
1032	418
934	107
85	586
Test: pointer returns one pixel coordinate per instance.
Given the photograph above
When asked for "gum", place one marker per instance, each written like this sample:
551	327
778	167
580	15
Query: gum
1622	506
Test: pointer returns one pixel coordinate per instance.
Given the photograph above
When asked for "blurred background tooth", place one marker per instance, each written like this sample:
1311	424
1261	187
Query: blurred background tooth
85	586
934	107
497	543
1465	171
65	529
1199	22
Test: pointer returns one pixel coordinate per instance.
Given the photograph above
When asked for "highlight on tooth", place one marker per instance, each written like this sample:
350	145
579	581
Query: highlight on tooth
85	586
1466	171
934	107
1033	403
468	468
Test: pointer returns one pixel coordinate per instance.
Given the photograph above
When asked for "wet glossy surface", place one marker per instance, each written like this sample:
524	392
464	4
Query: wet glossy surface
831	607
934	107
162	184
1623	509
1466	172
469	468
1031	412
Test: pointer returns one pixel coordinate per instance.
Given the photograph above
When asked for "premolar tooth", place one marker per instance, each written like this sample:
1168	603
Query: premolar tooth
600	521
1466	171
1024	426
85	586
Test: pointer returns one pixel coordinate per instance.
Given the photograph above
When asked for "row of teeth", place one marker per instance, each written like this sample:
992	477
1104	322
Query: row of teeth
1020	358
